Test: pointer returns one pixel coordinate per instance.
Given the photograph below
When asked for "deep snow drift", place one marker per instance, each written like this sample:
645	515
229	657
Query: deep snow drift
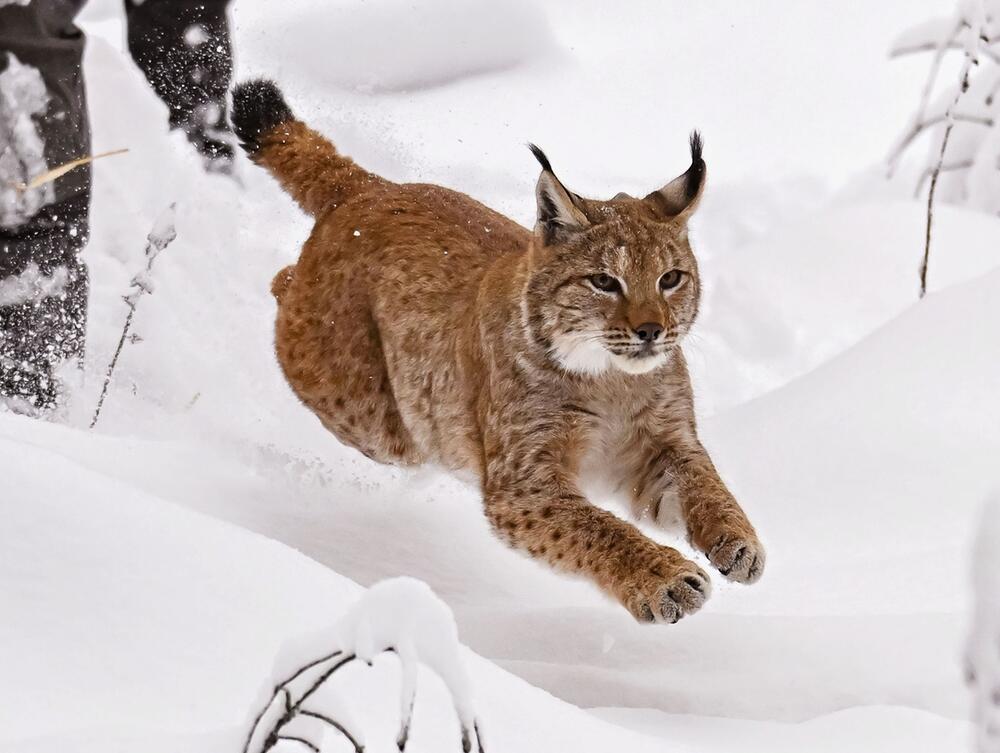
151	571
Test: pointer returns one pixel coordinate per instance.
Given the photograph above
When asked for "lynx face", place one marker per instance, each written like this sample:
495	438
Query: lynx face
614	284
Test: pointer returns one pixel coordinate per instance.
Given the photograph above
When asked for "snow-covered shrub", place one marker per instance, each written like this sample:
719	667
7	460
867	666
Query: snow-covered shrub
961	112
400	615
984	645
964	161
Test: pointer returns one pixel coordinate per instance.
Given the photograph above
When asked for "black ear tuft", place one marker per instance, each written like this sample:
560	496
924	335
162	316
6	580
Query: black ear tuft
540	156
258	107
696	173
679	198
696	146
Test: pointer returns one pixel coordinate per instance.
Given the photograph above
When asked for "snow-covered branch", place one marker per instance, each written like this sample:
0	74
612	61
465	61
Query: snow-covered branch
263	735
400	616
161	236
969	102
975	20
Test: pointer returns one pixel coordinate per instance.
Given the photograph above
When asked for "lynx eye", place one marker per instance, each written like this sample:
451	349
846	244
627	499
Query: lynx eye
605	283
671	279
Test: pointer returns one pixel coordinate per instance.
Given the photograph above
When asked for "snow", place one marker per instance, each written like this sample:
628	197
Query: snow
112	596
959	98
32	284
22	95
152	571
778	307
398	615
419	44
984	644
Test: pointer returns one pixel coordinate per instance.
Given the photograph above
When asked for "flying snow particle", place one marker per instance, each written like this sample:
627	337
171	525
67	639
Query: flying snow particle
195	35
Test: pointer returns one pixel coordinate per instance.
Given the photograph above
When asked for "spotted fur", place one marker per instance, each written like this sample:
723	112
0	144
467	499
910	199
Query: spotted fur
421	326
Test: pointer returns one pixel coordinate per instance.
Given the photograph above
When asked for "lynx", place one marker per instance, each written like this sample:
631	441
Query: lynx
421	326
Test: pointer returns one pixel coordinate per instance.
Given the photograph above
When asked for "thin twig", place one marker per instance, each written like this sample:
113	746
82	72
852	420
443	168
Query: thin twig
971	59
159	238
337	726
111	366
479	737
282	687
60	170
897	52
919	127
949	168
291	712
404	729
305	742
322	678
925	96
293	708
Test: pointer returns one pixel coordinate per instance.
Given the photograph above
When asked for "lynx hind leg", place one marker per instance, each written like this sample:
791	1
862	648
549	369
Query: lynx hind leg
340	374
364	415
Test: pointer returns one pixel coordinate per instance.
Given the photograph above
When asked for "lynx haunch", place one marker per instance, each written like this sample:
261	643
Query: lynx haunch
421	326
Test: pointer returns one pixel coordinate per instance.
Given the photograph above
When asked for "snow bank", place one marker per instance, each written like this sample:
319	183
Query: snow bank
778	307
133	624
860	475
126	612
884	729
984	645
391	45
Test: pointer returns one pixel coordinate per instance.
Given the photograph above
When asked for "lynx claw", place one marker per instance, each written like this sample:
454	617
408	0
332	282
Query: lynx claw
740	560
684	594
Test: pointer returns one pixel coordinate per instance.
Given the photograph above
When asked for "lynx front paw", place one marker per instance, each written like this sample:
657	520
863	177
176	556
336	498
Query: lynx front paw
740	558
667	595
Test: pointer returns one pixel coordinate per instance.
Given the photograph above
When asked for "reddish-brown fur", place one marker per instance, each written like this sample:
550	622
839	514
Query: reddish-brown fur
421	326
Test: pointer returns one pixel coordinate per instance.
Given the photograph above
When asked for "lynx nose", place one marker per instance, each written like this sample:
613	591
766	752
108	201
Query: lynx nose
649	331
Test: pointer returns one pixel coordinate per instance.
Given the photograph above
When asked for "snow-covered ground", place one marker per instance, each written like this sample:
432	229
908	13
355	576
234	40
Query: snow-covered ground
152	569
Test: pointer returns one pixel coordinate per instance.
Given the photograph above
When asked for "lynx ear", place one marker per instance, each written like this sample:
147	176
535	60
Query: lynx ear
559	210
680	197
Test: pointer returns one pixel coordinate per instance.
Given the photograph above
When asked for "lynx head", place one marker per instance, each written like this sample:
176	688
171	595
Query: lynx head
613	284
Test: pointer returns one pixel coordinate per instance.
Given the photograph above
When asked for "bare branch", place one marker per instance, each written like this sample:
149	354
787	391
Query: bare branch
971	59
949	168
301	740
911	49
282	687
294	708
358	748
161	236
920	126
950	41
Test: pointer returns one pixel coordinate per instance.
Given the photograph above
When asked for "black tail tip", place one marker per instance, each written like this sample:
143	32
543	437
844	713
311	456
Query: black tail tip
697	145
258	107
540	156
